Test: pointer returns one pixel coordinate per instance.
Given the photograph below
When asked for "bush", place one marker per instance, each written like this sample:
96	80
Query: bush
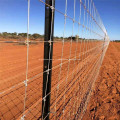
36	35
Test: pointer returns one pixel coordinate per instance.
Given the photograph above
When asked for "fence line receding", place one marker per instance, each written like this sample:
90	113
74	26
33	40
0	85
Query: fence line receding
52	76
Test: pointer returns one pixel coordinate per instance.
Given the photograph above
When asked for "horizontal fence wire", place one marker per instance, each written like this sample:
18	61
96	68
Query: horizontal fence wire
77	57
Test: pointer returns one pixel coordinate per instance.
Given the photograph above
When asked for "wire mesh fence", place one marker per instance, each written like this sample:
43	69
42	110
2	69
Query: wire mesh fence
77	49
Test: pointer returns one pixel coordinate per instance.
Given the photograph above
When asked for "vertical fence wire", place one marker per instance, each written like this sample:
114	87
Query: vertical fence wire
61	56
27	61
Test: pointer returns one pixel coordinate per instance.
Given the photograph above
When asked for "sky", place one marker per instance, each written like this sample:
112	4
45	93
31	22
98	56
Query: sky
13	17
109	11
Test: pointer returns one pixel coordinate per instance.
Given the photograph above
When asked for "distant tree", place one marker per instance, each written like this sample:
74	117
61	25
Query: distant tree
71	37
36	35
22	34
42	36
29	35
57	37
5	34
14	34
61	37
116	40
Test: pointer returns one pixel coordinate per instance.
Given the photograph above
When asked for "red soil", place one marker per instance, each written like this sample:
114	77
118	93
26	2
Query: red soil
105	101
65	91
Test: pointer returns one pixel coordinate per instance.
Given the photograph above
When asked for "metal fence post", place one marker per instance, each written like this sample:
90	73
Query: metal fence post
48	51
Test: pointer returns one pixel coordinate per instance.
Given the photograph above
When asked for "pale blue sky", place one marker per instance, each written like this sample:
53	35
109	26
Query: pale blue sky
13	16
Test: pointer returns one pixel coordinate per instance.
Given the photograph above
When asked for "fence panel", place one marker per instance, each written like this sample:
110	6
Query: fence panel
79	44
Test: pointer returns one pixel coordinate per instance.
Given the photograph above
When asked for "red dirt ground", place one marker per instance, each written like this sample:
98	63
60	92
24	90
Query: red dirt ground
64	93
105	101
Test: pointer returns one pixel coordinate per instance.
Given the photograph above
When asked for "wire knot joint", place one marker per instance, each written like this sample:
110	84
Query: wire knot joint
25	82
52	8
23	117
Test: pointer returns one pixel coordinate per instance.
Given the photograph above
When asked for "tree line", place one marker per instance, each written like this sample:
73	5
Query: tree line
116	40
35	36
16	35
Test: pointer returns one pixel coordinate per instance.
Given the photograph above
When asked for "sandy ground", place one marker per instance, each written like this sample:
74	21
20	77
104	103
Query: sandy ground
73	82
105	101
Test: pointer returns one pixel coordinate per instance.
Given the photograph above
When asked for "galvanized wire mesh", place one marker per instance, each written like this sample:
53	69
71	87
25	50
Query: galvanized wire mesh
77	58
